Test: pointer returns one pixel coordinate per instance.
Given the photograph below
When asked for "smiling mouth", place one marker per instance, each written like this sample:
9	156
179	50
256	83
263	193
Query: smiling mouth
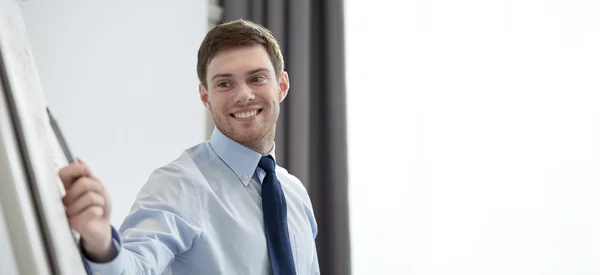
245	115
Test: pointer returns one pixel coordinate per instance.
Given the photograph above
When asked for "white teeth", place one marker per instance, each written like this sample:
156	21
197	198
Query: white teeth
246	114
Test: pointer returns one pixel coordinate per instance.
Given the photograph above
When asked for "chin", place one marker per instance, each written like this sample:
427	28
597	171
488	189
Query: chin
245	132
248	134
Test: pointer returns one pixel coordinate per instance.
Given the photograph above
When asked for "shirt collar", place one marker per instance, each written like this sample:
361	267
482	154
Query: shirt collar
240	159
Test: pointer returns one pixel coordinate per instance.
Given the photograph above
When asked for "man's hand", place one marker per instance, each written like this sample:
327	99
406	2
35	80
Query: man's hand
88	210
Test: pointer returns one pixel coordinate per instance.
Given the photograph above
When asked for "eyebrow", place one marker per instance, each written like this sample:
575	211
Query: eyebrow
248	73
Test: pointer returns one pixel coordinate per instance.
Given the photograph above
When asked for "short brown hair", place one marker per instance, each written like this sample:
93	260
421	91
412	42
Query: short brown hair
236	34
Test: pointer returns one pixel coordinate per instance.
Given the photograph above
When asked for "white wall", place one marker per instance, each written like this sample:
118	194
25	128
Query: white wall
474	136
119	76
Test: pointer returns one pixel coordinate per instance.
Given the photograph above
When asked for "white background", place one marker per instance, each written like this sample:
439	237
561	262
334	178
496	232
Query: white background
474	136
119	76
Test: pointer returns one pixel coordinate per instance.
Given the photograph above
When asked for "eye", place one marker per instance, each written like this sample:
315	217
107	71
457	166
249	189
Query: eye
223	84
258	79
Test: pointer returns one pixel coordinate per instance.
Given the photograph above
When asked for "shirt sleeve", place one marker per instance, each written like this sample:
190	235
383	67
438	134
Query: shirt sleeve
162	223
315	264
315	231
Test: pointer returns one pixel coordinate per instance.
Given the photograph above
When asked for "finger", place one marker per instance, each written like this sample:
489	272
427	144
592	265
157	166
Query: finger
87	200
72	172
78	222
81	161
107	205
81	186
91	175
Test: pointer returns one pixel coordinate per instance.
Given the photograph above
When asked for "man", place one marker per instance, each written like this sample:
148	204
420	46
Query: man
222	207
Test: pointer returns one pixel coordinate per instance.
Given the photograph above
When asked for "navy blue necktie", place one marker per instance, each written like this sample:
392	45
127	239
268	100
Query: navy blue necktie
275	216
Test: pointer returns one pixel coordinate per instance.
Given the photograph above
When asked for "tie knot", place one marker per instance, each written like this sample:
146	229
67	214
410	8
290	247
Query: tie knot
267	163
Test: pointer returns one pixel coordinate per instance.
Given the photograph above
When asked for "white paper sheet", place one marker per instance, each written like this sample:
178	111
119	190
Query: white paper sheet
45	157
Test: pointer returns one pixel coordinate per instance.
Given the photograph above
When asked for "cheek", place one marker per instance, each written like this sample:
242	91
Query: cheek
272	96
217	103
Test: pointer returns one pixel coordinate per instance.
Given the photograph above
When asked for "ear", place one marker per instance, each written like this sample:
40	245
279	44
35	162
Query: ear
284	86
204	96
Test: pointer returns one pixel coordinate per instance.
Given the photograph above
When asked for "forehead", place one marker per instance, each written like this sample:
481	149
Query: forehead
239	61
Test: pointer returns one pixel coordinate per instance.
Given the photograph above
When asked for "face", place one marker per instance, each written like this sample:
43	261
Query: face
243	95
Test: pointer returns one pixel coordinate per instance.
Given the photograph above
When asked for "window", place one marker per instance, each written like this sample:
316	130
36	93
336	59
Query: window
474	136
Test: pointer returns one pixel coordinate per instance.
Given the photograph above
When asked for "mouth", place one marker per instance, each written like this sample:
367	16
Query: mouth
247	114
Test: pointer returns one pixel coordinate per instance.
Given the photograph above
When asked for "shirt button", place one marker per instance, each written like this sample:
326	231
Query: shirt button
245	177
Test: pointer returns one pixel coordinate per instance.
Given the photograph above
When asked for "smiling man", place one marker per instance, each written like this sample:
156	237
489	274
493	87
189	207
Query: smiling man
224	206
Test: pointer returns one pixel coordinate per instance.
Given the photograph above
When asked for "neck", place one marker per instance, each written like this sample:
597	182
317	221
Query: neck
262	149
264	144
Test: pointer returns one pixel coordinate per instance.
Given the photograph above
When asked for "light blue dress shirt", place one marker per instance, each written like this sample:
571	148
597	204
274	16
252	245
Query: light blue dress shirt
202	214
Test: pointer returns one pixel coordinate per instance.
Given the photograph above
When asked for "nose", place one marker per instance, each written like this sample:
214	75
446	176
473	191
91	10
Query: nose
244	94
